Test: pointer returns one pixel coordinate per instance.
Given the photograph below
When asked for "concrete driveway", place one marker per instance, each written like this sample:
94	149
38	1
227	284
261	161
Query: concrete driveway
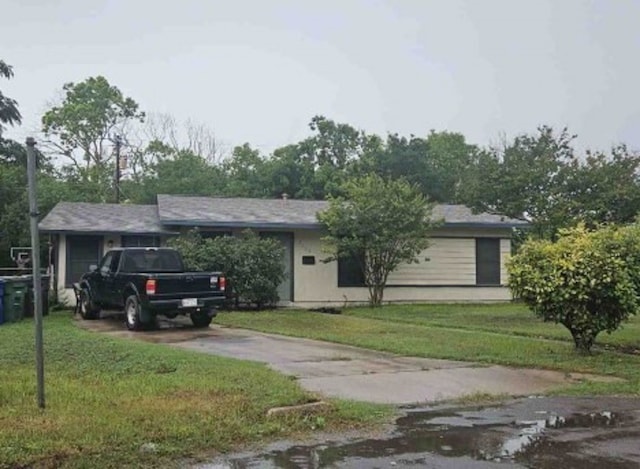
349	372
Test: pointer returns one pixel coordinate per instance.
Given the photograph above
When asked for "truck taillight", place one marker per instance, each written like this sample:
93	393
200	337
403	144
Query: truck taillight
150	287
222	283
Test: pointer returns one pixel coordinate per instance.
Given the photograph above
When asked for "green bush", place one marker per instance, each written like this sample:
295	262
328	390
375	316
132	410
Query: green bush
252	265
588	281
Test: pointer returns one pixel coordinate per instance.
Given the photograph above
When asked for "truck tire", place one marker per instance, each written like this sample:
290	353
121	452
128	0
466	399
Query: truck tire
201	319
133	316
88	309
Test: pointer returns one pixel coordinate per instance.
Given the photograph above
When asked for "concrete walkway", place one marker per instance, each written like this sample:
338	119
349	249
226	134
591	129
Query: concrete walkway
349	372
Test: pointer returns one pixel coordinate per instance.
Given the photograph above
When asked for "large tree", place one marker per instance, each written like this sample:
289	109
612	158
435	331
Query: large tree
83	127
317	166
541	179
14	204
180	172
14	207
191	136
9	113
603	188
435	163
245	174
523	179
380	222
288	173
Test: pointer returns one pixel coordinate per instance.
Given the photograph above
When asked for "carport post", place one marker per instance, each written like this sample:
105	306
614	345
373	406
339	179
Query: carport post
35	263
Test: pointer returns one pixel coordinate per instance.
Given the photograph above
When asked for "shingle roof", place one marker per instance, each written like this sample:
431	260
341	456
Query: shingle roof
462	215
212	211
83	217
175	210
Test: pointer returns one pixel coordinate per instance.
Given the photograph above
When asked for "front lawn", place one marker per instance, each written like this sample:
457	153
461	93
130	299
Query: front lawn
107	397
501	334
510	318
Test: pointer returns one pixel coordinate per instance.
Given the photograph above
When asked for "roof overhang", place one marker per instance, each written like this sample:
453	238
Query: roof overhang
503	226
108	232
264	225
317	226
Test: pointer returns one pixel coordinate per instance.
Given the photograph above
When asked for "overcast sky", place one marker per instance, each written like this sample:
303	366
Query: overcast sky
258	70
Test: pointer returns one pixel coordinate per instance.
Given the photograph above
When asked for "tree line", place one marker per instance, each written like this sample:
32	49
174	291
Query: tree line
540	176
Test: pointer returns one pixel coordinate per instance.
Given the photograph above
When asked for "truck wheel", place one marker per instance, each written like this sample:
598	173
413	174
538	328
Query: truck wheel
201	319
88	309
132	316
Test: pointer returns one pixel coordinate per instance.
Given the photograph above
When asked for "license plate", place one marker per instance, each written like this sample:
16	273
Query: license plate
189	302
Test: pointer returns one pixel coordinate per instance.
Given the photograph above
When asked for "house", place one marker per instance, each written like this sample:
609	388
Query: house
466	259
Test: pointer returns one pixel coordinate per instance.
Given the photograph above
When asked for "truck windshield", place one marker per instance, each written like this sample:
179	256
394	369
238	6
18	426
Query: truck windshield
151	260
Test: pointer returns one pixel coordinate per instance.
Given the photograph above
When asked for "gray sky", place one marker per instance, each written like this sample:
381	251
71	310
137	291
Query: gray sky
258	70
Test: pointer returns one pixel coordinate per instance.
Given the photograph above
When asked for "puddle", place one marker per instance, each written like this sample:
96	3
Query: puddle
522	434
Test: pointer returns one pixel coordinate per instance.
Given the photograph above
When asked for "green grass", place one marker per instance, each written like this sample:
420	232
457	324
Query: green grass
496	334
507	318
106	397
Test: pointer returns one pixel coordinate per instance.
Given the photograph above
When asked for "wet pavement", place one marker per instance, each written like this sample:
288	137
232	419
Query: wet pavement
341	371
546	433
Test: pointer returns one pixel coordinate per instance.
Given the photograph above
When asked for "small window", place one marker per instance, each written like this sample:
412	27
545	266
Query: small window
350	272
487	261
308	260
138	241
151	260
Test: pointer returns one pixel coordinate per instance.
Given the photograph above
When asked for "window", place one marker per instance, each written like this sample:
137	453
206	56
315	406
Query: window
350	272
116	260
105	267
110	262
140	241
487	261
151	260
82	252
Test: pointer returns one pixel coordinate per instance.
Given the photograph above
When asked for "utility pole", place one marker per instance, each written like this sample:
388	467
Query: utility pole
35	263
118	143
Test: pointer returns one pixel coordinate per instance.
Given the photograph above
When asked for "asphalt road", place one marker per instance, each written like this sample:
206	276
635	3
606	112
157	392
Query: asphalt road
545	433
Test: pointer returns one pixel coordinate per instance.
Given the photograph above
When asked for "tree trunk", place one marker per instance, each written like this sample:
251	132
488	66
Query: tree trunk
583	339
376	293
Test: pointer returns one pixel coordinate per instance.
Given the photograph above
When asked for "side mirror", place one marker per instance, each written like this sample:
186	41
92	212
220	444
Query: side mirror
93	268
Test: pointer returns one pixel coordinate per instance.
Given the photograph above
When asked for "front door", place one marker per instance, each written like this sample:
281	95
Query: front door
285	289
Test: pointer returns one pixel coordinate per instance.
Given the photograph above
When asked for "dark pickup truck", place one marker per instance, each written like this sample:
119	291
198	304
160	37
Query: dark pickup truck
147	282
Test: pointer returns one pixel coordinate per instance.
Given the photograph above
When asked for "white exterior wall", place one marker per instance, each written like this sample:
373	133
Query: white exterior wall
65	295
448	261
449	276
505	252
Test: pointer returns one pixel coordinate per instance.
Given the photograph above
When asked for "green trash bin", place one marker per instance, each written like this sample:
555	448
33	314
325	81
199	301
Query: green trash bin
29	307
15	290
